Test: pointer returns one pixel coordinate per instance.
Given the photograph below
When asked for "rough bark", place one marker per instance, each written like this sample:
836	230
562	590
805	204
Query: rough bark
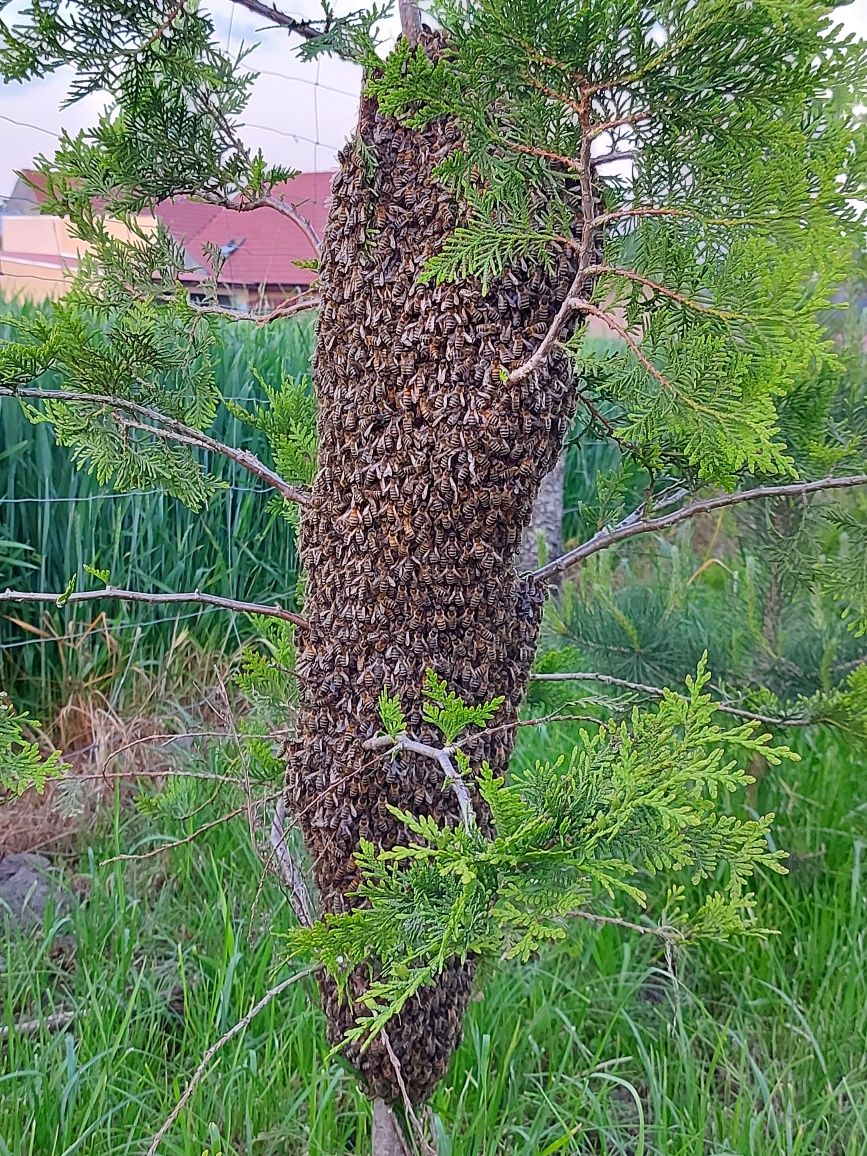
543	538
428	468
387	1139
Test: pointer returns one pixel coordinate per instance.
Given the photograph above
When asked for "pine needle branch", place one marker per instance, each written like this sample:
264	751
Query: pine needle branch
634	524
171	430
198	596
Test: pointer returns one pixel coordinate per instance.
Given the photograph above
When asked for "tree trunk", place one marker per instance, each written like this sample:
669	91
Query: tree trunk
543	538
429	463
387	1139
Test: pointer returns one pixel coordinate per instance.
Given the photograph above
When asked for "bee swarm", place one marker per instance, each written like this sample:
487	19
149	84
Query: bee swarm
428	468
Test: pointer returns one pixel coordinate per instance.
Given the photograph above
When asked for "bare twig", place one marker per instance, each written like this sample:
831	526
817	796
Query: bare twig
266	202
136	857
619	122
305	28
569	308
425	1148
634	524
236	1029
663	290
167	23
198	596
669	934
170	429
56	1022
442	755
614	155
288	308
290	872
659	692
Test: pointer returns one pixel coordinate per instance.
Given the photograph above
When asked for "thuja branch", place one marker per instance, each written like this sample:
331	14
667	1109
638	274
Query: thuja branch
308	29
634	525
658	692
112	592
170	430
441	755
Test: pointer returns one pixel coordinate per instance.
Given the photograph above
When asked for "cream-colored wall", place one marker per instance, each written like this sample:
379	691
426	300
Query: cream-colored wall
49	238
43	234
31	281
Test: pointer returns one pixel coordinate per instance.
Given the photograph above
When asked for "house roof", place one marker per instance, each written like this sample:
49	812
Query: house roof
261	244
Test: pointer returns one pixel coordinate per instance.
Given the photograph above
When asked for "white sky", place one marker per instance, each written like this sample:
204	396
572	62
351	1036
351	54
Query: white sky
300	114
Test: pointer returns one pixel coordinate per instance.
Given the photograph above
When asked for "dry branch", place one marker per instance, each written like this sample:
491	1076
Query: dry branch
634	524
170	429
288	308
56	1022
659	692
304	28
441	755
290	872
111	592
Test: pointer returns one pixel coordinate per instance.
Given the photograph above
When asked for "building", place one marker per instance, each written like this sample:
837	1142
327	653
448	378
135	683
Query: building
263	252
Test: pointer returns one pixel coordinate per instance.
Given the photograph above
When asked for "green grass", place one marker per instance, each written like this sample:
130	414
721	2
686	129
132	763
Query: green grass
754	1048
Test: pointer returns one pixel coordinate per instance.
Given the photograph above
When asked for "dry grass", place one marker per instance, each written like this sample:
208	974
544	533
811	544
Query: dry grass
110	740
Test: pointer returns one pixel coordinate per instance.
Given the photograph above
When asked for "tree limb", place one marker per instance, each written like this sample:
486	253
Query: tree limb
634	524
304	28
659	692
171	430
113	592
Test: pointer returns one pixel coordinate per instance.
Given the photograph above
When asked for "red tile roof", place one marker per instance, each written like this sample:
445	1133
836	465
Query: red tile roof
265	242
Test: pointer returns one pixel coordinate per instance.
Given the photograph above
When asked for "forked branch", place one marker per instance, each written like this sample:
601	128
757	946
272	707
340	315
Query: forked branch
441	755
634	524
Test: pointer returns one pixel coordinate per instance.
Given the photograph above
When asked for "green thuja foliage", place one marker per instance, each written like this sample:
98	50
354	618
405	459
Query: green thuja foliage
723	231
633	798
288	420
447	711
22	765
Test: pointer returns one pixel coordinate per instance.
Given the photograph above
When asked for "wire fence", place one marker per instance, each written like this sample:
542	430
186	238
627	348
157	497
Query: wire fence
54	522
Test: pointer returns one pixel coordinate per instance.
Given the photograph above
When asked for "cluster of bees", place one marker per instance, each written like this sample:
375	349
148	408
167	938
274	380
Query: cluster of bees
428	467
